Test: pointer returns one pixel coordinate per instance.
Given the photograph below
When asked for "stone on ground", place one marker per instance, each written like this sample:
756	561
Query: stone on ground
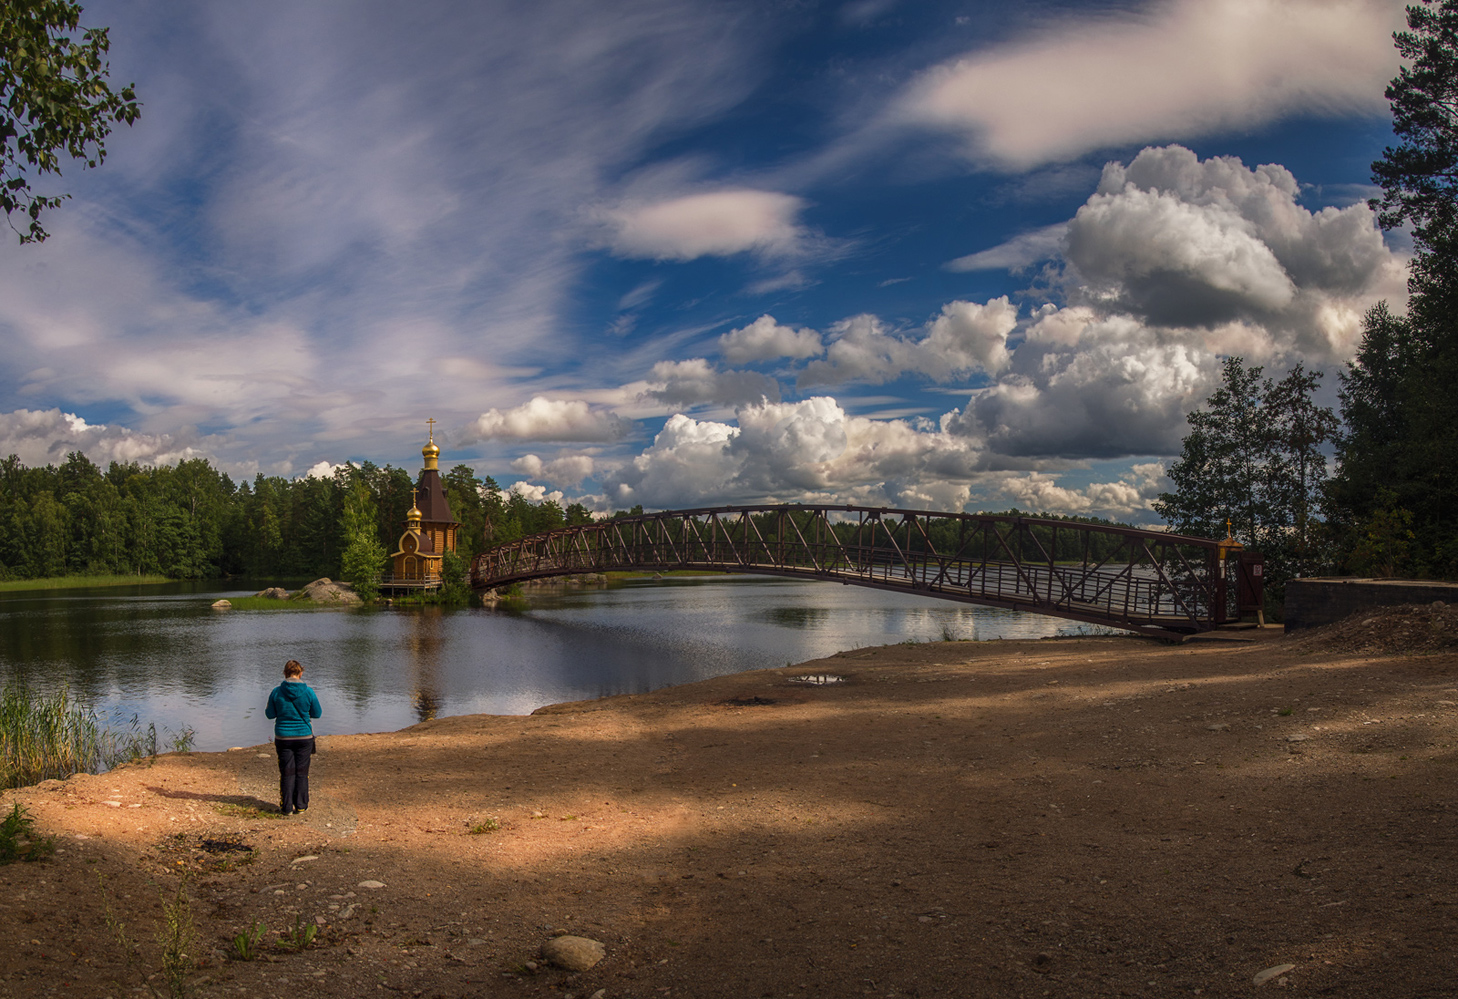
327	591
573	953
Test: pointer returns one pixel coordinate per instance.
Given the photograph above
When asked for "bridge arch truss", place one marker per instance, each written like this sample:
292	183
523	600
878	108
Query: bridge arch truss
1150	582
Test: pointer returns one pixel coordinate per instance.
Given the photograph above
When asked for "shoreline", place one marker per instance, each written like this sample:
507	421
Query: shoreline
1077	815
78	582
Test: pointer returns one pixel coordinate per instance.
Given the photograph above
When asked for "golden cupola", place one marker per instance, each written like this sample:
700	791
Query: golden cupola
431	452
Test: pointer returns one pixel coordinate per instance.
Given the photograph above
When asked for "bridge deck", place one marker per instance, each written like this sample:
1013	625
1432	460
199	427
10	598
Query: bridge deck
1150	582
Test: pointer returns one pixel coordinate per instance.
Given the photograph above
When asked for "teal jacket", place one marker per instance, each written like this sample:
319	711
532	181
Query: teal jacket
291	705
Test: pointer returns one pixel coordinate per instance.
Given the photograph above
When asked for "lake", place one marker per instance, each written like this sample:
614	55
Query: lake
162	654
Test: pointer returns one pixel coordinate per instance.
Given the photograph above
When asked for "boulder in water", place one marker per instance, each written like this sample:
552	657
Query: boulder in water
326	591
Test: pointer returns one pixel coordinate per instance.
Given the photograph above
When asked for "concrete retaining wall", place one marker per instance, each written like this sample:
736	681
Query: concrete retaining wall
1318	601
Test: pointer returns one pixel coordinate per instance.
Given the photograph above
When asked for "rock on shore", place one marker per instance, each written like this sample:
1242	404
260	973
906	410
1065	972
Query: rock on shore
327	591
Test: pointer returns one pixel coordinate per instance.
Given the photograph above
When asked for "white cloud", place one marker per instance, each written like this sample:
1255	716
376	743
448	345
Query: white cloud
322	470
1183	242
46	436
312	191
566	470
1016	254
1177	69
543	419
695	381
808	450
1157	243
714	223
535	493
1120	388
965	337
1039	492
766	340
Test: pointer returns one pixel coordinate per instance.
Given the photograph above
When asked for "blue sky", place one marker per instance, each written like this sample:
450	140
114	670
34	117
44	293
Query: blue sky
946	255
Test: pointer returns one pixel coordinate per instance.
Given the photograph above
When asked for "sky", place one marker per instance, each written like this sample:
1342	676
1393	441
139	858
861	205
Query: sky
679	253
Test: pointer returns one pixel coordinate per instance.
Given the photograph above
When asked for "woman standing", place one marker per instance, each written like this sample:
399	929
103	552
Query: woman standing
291	705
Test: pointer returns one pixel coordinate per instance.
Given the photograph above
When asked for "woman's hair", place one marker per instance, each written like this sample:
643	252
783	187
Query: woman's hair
292	668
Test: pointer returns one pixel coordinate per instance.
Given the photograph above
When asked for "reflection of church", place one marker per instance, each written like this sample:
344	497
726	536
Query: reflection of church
430	530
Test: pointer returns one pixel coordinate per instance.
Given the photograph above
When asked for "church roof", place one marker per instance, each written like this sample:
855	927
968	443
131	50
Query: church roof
431	498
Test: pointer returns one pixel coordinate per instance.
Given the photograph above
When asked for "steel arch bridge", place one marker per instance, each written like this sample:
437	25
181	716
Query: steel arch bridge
1158	584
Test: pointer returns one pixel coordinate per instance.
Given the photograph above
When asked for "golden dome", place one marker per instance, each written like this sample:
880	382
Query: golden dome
413	513
430	452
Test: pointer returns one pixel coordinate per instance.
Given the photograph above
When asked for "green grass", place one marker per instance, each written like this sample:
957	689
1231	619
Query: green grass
18	840
76	582
45	736
268	603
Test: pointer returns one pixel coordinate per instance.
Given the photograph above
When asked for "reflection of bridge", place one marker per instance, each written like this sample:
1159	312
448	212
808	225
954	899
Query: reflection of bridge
1146	581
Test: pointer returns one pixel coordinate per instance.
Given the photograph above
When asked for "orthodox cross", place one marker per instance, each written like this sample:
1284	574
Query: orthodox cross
431	422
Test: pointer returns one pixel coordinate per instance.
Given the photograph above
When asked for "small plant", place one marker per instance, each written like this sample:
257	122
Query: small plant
19	842
489	826
245	944
176	938
1285	712
947	634
176	935
300	936
182	741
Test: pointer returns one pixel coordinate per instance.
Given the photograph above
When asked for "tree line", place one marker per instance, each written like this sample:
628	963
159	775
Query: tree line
192	521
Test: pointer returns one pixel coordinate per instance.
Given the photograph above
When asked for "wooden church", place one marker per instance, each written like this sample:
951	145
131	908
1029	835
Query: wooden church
430	530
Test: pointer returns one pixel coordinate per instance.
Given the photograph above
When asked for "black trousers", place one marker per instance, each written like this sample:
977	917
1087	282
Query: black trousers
293	773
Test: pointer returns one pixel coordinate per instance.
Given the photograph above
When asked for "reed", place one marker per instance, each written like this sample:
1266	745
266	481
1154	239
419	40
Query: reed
44	736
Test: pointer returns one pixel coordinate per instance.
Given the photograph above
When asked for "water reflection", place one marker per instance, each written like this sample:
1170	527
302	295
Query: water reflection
796	617
160	652
424	641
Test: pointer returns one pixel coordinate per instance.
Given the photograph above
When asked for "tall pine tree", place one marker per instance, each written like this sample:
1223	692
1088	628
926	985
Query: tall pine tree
1398	457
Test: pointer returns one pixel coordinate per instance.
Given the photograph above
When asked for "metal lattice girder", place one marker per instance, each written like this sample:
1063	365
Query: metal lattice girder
1145	581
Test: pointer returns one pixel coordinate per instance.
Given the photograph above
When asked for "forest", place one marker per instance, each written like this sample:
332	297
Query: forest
191	521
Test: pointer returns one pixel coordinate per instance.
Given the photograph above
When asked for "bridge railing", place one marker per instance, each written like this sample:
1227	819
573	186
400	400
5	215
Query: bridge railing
1144	580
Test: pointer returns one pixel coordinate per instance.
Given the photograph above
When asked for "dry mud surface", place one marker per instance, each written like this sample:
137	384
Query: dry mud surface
1076	817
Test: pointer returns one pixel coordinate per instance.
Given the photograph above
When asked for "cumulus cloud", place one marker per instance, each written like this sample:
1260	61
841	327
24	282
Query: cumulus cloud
322	470
1041	493
1180	241
965	337
45	436
533	493
1179	69
766	340
565	470
709	224
807	450
543	419
1117	388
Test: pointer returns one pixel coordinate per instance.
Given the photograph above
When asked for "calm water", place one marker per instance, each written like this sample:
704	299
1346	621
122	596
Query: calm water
161	653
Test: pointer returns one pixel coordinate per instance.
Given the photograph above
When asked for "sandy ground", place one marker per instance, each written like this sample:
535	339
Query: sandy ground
1076	817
